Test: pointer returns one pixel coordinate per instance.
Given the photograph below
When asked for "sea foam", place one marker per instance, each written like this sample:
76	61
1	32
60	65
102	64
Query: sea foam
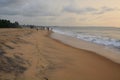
98	39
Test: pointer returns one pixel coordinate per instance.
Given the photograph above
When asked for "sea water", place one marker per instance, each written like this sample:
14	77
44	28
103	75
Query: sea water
107	36
104	41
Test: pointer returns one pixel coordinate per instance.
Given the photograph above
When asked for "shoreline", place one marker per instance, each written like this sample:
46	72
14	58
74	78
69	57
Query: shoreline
101	50
40	57
95	67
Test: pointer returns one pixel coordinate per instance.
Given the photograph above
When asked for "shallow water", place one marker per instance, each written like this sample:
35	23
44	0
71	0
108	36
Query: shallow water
107	36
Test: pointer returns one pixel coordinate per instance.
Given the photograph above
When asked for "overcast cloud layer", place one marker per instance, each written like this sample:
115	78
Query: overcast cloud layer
62	12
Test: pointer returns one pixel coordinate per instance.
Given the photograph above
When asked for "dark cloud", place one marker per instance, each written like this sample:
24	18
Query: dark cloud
44	8
7	3
88	10
4	2
79	11
27	8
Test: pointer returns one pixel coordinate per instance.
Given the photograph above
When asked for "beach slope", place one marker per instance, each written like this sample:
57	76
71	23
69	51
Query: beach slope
27	54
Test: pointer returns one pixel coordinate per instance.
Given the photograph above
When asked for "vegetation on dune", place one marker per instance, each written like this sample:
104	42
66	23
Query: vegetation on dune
7	24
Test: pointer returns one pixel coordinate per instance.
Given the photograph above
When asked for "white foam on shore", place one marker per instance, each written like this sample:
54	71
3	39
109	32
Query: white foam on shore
107	41
109	53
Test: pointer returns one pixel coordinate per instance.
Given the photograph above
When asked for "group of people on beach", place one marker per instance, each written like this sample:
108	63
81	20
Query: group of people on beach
44	28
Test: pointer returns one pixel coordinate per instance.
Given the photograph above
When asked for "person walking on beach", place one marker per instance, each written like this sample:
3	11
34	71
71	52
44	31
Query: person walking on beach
37	29
48	28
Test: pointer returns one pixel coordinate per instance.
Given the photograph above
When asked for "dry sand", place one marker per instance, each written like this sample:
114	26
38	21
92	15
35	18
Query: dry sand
27	54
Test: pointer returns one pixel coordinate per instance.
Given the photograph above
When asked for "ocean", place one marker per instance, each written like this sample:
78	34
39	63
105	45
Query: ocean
107	36
104	41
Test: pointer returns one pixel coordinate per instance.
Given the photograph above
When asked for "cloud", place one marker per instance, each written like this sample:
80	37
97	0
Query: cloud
88	10
10	3
29	7
79	11
83	19
58	11
104	10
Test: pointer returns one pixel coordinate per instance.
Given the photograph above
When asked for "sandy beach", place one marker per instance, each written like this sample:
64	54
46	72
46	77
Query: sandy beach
28	54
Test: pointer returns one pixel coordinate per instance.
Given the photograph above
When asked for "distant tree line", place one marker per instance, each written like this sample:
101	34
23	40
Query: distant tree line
7	24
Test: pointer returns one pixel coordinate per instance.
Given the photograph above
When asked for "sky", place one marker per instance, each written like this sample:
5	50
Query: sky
62	12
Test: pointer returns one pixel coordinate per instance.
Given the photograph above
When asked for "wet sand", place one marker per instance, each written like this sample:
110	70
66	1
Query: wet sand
48	59
78	64
108	52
